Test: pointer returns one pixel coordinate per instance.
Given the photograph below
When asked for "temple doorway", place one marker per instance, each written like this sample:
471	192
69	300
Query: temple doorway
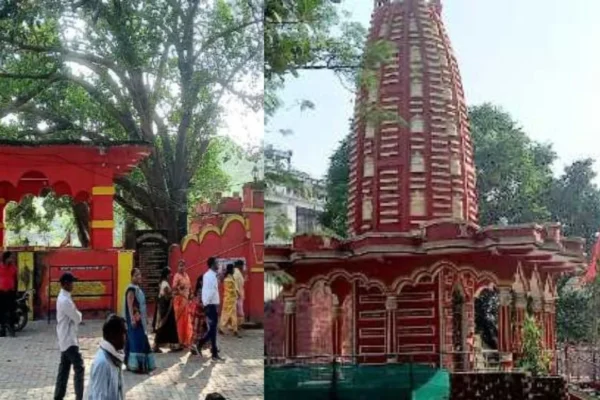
485	344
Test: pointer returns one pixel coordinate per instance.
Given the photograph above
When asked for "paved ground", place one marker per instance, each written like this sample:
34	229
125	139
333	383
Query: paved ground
29	363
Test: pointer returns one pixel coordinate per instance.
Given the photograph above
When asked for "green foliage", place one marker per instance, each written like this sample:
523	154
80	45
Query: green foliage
156	70
486	317
575	313
315	35
534	359
575	201
281	228
211	177
309	34
514	173
335	217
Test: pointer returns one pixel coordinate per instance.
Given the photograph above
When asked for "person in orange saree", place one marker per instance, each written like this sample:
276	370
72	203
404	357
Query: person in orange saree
181	305
230	297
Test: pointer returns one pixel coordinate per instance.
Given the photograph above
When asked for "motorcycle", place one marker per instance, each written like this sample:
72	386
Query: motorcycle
22	310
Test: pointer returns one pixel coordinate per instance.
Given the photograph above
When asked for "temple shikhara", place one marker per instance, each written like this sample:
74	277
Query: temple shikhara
405	283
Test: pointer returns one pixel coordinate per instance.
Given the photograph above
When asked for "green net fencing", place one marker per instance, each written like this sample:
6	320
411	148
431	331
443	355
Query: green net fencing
356	382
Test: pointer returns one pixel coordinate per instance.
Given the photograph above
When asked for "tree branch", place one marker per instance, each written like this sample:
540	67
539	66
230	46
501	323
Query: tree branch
123	117
213	39
7	75
25	98
139	214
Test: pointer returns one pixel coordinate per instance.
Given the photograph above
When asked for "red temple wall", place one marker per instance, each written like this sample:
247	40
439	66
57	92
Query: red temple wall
232	240
420	326
275	328
304	320
103	283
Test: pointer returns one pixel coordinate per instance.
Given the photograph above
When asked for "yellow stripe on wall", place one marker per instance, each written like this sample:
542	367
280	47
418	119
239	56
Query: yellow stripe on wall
103	224
124	278
103	190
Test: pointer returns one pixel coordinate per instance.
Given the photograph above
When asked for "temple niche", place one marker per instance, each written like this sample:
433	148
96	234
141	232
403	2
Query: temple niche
415	54
416	88
457	206
370	130
417	203
385	30
417	162
455	167
412	27
451	129
369	167
416	124
448	94
367	209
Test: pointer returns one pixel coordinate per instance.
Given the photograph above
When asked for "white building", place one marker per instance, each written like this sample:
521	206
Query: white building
294	201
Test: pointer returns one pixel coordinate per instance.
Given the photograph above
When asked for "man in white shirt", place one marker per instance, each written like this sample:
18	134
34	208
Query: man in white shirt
68	319
106	377
210	302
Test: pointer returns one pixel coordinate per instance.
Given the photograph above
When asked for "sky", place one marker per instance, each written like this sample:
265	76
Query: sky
537	59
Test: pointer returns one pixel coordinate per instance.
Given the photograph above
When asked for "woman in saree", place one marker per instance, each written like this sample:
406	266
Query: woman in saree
138	355
182	287
198	317
230	297
164	322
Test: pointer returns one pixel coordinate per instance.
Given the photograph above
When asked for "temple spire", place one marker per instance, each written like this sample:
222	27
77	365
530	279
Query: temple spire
404	176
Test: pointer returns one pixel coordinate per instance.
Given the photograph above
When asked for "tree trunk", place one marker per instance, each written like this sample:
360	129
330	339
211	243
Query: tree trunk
129	234
81	214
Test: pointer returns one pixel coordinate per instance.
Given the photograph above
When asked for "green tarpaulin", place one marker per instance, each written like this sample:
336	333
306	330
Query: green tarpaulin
356	382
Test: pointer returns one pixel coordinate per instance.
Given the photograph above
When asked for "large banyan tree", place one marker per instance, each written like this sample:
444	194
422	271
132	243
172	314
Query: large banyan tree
159	71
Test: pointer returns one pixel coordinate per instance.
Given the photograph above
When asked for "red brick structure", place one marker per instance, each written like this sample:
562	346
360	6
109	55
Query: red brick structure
232	229
85	172
405	283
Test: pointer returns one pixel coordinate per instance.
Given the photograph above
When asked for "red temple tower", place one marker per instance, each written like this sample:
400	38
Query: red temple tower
403	286
402	176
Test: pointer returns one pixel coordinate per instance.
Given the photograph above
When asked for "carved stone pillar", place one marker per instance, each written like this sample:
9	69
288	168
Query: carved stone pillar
550	331
538	310
520	308
505	328
2	205
391	305
336	326
290	327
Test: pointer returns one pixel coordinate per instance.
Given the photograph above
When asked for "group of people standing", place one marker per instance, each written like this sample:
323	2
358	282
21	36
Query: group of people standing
183	320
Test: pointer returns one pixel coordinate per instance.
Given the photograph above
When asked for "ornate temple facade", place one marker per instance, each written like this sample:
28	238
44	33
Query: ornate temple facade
404	285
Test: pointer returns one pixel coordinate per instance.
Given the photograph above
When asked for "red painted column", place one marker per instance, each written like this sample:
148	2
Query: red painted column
505	328
290	327
102	219
2	205
391	305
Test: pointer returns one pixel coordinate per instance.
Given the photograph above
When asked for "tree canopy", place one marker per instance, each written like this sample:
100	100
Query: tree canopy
156	70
